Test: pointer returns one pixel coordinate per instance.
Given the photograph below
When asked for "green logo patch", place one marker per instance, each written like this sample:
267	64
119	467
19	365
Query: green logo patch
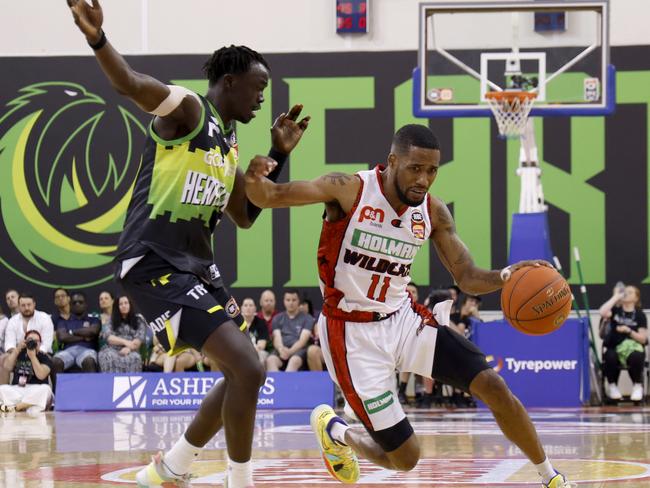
383	245
374	405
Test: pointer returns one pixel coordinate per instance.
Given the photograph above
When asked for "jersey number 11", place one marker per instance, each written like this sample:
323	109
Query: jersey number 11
373	288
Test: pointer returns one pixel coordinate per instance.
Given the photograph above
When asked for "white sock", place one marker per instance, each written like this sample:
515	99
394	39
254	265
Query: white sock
240	475
180	457
546	471
337	432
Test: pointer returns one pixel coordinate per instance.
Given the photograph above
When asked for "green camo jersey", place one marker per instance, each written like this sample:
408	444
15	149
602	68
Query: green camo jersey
180	194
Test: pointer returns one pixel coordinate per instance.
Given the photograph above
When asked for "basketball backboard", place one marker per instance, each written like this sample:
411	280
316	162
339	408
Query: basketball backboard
558	50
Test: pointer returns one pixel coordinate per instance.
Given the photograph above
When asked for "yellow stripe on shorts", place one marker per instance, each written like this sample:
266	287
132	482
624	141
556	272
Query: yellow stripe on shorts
216	308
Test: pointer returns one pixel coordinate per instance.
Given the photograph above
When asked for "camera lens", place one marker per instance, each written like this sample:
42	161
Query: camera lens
31	344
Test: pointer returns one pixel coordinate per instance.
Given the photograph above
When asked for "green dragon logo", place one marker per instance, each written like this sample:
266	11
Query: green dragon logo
67	171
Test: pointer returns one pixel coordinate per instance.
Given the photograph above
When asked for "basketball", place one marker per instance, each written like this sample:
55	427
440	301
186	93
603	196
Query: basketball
536	300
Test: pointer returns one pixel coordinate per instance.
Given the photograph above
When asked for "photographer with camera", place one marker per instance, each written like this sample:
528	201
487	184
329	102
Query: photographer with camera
29	389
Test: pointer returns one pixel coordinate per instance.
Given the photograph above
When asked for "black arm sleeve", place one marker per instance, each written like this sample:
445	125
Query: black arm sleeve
253	210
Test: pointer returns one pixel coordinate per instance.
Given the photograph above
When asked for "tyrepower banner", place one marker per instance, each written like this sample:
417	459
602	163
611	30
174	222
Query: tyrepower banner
183	391
542	371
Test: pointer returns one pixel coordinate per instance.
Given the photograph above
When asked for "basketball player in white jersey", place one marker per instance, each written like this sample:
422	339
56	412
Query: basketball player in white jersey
374	225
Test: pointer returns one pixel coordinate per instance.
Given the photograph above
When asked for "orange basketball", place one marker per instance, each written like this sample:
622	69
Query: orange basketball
536	300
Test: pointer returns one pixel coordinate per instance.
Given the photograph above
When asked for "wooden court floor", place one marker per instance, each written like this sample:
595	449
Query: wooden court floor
461	448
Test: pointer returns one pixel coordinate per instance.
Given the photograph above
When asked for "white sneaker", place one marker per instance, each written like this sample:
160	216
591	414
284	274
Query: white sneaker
637	392
613	392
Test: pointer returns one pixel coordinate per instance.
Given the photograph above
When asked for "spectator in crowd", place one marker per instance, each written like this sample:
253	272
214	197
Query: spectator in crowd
29	319
625	336
62	305
78	336
106	311
4	374
306	306
188	359
159	359
184	361
11	298
29	389
462	320
315	358
257	329
267	308
291	334
123	334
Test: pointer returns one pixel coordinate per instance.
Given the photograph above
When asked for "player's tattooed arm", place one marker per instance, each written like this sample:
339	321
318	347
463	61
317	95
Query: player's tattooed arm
455	255
340	179
264	193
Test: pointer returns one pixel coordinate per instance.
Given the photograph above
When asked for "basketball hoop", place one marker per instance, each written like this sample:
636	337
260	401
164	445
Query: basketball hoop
511	109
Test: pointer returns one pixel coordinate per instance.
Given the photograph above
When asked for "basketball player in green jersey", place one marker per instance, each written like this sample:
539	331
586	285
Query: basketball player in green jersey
189	177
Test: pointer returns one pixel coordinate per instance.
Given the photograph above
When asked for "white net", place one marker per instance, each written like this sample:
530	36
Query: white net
511	109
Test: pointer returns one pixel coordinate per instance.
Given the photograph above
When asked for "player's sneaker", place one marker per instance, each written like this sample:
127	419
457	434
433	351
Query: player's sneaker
559	481
154	476
340	460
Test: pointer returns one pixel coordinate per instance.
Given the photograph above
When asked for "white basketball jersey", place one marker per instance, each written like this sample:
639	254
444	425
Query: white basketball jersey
365	260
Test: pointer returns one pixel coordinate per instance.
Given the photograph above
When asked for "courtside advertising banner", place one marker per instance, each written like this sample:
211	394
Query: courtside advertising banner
183	391
542	371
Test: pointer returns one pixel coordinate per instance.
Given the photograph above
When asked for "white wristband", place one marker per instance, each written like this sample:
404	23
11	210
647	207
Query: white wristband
505	274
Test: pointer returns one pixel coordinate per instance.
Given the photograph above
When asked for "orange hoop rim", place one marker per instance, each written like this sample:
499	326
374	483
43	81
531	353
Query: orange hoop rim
511	95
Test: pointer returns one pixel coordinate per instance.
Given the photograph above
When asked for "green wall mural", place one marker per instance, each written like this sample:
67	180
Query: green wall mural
70	151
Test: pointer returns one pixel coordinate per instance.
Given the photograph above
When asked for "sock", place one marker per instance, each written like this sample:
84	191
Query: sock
546	471
337	429
179	458
240	475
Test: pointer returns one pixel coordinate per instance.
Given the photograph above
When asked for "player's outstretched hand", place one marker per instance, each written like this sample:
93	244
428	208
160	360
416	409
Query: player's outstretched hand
507	272
287	131
89	18
260	166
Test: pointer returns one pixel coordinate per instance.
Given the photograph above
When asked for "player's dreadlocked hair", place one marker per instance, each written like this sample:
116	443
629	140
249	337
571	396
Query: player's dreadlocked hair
231	60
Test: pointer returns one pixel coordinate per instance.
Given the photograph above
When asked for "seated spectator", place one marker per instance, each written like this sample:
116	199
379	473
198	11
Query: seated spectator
77	336
188	359
123	334
257	329
206	364
62	305
267	308
469	309
184	361
291	334
307	307
11	298
29	319
625	336
315	358
4	374
159	359
29	389
106	300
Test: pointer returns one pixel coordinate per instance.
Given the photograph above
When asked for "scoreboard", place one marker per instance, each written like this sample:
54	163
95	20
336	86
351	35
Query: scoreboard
351	16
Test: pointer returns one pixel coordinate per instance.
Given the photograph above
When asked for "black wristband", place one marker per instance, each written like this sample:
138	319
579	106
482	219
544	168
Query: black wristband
99	44
253	210
281	158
